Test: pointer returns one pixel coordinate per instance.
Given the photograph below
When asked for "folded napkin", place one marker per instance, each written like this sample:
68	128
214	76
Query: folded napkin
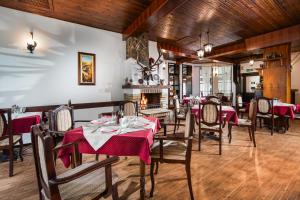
97	135
98	132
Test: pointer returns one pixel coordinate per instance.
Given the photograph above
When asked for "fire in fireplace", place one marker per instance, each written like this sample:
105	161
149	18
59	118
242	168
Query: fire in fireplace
150	100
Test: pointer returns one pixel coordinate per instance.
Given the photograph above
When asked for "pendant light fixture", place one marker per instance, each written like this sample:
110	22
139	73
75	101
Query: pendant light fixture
208	47
200	52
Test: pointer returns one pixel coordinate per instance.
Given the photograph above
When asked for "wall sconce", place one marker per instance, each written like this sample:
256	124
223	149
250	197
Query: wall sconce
31	44
251	62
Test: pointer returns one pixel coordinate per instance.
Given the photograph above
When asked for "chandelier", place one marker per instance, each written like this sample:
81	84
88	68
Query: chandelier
200	52
208	47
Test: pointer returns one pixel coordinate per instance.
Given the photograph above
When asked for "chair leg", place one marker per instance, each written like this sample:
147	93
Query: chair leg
156	169
152	179
21	149
11	161
220	143
178	124
189	179
199	140
260	125
272	126
253	136
229	132
175	124
115	194
250	132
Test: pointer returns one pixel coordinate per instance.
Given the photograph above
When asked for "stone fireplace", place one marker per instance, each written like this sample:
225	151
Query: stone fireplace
147	96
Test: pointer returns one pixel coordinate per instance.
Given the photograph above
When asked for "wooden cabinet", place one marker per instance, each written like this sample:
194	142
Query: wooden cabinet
277	73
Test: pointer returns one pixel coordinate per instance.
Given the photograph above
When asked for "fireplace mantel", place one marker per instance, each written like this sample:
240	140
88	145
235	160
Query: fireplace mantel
145	86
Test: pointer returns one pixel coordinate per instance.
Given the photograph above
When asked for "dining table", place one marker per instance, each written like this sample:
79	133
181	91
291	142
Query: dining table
22	122
134	143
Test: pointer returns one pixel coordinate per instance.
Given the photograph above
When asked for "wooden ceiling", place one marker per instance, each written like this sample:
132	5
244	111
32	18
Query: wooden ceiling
175	22
112	15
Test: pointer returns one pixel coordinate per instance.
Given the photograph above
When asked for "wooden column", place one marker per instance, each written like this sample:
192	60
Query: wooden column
277	72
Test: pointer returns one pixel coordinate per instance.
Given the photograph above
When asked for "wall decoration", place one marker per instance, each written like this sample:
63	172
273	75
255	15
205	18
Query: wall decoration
86	68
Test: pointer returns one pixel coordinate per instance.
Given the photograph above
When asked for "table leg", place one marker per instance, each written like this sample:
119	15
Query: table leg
142	179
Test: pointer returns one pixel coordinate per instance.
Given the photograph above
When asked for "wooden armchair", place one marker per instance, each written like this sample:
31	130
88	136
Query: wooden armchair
211	120
265	111
249	123
7	140
90	180
174	149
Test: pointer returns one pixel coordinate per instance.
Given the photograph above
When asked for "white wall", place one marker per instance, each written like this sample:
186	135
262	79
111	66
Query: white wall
295	74
49	76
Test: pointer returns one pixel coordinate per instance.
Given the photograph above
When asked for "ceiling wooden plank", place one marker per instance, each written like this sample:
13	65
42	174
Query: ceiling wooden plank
178	51
151	15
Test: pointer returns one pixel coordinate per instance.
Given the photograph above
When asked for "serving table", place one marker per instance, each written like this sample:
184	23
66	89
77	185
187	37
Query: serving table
136	143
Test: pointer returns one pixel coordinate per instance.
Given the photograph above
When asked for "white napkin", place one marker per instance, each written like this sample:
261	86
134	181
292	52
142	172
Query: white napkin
98	132
97	136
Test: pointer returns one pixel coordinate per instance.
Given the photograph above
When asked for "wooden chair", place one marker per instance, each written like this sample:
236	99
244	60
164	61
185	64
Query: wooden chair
130	108
249	123
213	99
174	149
179	113
240	107
265	111
211	120
8	141
90	180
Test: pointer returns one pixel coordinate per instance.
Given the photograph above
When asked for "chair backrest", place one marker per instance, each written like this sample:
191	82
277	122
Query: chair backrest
42	145
130	108
3	124
239	101
61	119
252	111
189	130
176	105
210	113
264	105
213	99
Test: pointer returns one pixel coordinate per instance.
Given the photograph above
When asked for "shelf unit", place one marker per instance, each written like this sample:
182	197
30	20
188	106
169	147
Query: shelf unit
187	82
174	83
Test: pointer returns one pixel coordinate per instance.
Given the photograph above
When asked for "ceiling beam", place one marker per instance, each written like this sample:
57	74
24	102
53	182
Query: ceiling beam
281	36
178	51
151	16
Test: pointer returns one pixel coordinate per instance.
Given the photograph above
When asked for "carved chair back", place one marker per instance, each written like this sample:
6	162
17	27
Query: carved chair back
61	119
130	108
264	105
210	113
213	99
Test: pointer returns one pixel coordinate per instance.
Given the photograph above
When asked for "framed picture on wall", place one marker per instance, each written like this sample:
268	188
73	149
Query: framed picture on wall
86	68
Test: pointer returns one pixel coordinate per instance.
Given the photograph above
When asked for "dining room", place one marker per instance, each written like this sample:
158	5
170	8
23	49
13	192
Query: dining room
149	99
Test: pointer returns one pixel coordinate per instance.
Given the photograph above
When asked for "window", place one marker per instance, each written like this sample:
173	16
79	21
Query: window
215	79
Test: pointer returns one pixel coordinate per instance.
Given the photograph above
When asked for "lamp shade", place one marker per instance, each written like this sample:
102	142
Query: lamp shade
200	53
208	47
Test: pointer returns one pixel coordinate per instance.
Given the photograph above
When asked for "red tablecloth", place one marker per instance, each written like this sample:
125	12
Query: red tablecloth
284	110
23	124
186	101
230	113
129	144
297	108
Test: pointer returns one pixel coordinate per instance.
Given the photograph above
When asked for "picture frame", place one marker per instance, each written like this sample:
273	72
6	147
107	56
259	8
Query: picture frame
86	68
